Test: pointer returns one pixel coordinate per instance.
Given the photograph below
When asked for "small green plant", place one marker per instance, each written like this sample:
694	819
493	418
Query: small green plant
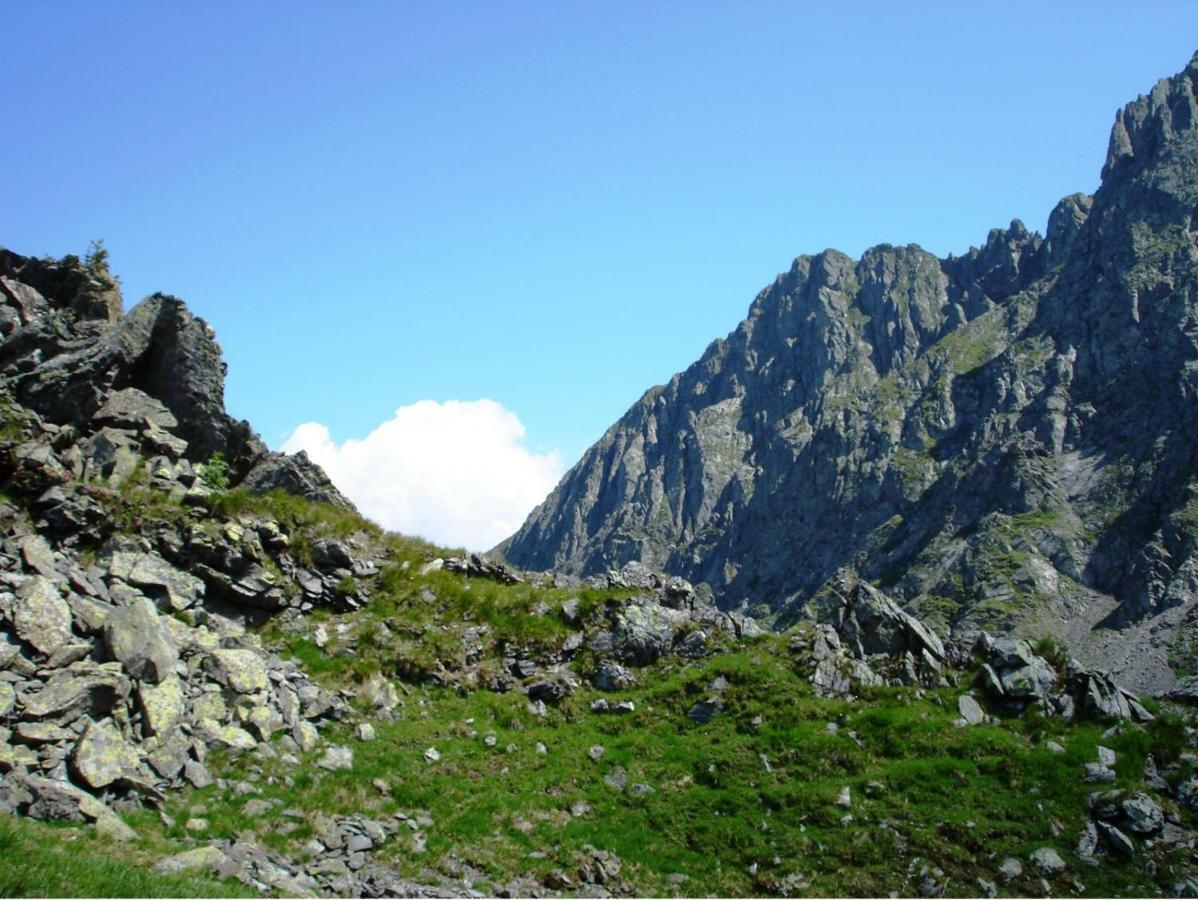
97	259
215	472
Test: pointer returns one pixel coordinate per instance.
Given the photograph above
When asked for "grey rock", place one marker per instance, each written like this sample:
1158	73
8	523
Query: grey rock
970	710
242	671
103	755
706	710
1009	870
134	409
1087	843
1119	842
1048	861
141	643
175	589
42	617
336	758
611	676
72	693
1142	814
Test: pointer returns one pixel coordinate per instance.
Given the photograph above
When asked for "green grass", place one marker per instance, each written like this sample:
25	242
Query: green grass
39	860
948	795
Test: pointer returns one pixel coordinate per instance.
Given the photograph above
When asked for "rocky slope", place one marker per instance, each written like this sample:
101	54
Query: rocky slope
1004	440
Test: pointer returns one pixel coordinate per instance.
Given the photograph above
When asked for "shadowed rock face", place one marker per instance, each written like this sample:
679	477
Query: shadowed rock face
1004	440
69	354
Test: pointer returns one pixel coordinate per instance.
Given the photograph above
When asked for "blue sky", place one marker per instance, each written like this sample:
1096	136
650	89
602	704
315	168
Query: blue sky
550	205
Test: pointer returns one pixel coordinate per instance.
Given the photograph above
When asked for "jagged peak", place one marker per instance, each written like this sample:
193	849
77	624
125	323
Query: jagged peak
1147	125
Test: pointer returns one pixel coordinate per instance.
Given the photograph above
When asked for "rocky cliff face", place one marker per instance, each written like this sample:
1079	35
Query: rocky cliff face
1004	440
68	354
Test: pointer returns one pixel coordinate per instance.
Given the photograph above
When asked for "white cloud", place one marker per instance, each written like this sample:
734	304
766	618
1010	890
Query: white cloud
456	473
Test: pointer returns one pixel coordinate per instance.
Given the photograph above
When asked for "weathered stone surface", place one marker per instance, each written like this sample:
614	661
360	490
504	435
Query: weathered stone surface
295	474
241	670
336	758
970	710
42	617
177	590
137	638
70	693
131	408
206	858
1048	861
102	756
1142	814
8	697
162	704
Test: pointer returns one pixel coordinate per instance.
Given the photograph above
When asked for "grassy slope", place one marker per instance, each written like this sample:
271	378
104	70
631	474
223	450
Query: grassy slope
925	793
42	860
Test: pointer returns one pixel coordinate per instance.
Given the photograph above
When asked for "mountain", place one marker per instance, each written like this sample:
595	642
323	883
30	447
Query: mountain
1005	440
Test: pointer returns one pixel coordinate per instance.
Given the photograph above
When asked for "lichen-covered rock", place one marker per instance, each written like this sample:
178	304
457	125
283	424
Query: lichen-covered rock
178	590
93	691
141	643
242	671
102	755
643	630
42	617
162	704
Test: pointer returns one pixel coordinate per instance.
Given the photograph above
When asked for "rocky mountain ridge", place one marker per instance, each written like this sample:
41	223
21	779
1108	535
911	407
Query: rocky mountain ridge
1005	440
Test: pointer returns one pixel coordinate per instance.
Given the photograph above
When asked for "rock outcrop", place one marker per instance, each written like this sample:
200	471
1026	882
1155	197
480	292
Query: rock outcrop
1004	440
70	355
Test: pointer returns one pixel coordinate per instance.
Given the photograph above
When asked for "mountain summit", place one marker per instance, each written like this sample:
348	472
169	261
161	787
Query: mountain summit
1006	440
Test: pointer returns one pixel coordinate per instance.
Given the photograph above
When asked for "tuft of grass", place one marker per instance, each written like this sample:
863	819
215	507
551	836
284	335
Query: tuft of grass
42	860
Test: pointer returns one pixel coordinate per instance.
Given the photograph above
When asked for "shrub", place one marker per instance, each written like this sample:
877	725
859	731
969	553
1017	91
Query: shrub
215	472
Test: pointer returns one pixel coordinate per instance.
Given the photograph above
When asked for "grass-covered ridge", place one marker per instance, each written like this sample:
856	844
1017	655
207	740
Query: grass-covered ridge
519	798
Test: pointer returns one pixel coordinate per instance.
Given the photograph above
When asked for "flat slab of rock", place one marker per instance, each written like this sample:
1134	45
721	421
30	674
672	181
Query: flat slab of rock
69	694
102	756
970	710
162	704
137	638
155	575
207	858
131	408
42	617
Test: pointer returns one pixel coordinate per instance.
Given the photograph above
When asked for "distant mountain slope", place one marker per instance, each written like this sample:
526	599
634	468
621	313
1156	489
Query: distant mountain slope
1004	440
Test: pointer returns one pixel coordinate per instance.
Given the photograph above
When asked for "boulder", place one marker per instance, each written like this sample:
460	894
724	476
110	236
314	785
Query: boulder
295	474
174	589
869	622
242	671
162	704
706	710
611	676
642	630
131	408
336	758
44	798
141	643
970	710
42	618
102	756
1142	814
70	693
1048	862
